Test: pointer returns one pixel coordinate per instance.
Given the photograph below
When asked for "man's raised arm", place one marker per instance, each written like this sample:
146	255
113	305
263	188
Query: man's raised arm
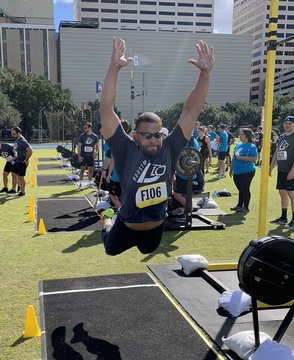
196	99
109	119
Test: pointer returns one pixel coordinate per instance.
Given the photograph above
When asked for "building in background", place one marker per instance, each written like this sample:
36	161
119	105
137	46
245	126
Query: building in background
85	53
251	17
148	15
27	37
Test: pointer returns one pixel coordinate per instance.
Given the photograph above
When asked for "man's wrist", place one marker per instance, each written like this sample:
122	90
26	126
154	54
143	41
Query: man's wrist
116	65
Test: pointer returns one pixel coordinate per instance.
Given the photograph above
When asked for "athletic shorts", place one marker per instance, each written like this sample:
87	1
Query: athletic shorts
114	188
8	167
87	161
222	155
283	183
19	168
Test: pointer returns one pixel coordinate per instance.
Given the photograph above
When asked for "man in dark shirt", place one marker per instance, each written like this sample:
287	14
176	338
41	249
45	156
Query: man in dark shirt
145	165
87	153
23	152
6	151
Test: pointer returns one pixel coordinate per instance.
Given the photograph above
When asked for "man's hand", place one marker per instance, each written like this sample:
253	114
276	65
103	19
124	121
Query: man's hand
118	53
206	58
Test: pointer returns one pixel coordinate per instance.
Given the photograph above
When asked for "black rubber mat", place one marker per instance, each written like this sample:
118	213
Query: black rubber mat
114	317
53	166
64	214
54	180
46	159
200	300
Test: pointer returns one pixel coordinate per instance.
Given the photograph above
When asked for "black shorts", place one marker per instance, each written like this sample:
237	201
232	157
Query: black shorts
87	161
8	167
119	237
222	155
181	186
19	168
114	188
283	183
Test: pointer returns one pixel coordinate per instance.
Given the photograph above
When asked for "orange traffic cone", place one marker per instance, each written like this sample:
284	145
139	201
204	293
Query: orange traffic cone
31	328
41	228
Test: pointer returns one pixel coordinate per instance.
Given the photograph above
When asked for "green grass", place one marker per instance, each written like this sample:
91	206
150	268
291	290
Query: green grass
27	258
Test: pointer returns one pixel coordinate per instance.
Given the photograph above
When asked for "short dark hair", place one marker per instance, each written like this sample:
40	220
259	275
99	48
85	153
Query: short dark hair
88	124
148	117
16	129
125	125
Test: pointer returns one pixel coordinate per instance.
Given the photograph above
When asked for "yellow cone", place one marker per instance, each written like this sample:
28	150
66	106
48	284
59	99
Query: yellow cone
35	166
36	159
32	214
41	229
31	328
28	180
32	201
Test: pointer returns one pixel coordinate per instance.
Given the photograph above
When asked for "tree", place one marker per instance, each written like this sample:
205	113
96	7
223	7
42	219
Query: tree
9	116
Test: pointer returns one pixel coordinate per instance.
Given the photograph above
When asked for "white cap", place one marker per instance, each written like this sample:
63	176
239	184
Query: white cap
164	131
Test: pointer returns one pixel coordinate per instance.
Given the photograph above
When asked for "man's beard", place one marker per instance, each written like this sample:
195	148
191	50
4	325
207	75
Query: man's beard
149	153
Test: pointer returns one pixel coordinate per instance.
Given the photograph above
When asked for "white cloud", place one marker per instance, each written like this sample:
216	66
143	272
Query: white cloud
223	16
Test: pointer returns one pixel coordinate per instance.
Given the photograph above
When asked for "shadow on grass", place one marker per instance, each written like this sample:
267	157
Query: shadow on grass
19	341
65	193
166	246
85	241
232	219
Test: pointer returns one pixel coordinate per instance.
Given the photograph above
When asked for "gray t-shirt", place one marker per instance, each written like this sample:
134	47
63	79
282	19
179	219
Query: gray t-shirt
88	144
20	147
146	183
285	155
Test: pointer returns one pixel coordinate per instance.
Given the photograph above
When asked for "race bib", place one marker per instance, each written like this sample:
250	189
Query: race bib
88	149
151	194
282	155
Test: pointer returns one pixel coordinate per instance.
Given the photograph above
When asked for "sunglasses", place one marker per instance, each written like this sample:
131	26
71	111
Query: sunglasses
148	135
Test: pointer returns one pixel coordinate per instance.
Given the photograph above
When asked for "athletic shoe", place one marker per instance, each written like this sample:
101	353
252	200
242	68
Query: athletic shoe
221	176
4	190
11	192
108	213
80	186
279	221
242	210
91	185
178	212
20	194
235	208
290	225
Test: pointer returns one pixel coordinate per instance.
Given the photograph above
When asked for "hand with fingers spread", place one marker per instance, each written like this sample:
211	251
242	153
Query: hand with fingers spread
118	58
206	57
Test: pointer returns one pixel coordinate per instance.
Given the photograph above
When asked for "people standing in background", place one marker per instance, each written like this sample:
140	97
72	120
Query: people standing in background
284	158
87	153
243	169
222	150
274	138
165	132
22	153
213	137
7	152
205	149
258	143
231	141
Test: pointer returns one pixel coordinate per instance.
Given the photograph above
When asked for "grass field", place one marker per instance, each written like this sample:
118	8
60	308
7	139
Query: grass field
27	258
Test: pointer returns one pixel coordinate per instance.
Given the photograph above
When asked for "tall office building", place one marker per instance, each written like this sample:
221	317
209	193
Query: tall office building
148	15
27	37
251	17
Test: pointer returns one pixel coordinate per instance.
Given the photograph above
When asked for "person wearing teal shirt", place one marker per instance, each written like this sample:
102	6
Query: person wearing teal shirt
243	169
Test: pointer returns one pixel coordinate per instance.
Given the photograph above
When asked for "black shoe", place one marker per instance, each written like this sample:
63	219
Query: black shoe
279	221
235	208
242	210
20	194
11	192
290	225
4	190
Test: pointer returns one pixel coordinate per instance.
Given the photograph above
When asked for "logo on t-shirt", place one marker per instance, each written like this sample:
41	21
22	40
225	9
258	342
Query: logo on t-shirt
148	173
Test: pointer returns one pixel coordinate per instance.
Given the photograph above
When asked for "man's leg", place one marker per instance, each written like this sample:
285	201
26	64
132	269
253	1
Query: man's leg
5	179
22	183
81	177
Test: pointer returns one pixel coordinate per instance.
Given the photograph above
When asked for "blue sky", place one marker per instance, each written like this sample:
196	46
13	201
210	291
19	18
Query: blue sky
223	14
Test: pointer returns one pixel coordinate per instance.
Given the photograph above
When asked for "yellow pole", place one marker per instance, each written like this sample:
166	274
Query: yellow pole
268	111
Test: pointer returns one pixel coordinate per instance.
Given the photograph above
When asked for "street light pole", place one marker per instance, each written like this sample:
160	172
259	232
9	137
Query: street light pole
63	124
40	124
